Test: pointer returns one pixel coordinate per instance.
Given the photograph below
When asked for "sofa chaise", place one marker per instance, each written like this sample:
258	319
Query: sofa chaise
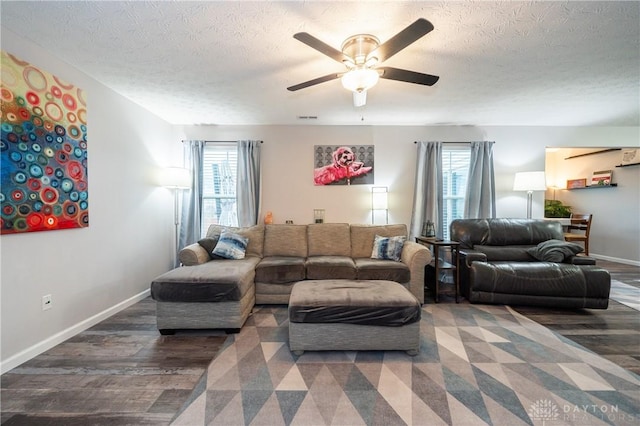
220	293
526	262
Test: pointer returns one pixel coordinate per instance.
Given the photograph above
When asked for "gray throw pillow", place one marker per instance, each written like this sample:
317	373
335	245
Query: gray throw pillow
554	251
209	243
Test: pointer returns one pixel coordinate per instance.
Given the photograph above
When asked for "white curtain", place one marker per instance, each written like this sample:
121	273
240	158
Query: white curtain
248	182
427	196
480	199
191	217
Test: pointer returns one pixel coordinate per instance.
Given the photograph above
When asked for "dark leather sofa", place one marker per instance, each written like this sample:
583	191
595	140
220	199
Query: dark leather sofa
505	261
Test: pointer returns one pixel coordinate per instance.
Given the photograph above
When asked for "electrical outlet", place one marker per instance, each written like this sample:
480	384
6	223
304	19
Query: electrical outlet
46	302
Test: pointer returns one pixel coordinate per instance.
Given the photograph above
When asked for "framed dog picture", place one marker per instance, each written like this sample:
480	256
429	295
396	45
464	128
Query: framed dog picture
343	165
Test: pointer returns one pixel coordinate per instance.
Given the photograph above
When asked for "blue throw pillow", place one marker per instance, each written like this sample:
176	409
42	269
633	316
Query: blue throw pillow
231	246
388	248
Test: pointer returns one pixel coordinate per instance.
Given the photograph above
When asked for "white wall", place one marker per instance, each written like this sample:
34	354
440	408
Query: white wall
287	160
90	271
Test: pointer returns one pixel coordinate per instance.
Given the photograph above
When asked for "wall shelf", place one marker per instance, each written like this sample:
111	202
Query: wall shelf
628	165
593	153
594	186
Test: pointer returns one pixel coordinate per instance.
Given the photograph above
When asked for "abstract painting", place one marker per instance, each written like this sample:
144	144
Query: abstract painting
43	150
343	165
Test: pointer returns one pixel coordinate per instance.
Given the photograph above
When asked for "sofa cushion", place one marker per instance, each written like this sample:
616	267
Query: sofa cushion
329	239
507	253
555	251
389	270
285	240
255	234
362	237
214	281
280	269
388	248
231	246
330	267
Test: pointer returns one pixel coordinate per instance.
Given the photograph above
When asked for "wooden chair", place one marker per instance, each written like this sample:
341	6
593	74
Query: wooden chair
581	224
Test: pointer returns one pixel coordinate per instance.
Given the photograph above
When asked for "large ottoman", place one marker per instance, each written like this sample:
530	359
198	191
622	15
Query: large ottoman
353	315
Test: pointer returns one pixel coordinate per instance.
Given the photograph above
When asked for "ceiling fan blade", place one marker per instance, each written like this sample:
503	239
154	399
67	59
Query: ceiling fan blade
408	76
403	39
313	82
320	46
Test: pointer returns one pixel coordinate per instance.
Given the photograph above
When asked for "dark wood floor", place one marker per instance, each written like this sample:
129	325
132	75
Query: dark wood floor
119	372
123	372
613	333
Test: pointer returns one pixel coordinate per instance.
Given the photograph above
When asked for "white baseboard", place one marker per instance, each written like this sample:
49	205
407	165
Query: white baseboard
45	345
616	259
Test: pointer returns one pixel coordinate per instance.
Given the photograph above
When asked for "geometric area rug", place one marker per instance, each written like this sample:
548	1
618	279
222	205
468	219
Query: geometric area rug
626	294
478	365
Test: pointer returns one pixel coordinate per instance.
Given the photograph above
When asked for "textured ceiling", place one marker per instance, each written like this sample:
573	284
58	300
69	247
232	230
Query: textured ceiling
500	63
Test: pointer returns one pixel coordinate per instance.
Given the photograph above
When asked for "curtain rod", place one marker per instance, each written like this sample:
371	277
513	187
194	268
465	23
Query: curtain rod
466	143
184	140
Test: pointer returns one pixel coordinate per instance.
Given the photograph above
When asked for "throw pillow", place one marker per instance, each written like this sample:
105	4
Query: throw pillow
231	246
554	250
388	248
209	243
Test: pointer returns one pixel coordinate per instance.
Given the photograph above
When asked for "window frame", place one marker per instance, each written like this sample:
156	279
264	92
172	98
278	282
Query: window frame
454	183
215	153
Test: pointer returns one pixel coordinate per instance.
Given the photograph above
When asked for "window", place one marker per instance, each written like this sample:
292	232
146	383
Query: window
220	161
455	169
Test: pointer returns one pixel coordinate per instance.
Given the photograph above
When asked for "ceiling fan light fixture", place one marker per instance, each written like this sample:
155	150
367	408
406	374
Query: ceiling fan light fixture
360	79
371	61
359	98
359	47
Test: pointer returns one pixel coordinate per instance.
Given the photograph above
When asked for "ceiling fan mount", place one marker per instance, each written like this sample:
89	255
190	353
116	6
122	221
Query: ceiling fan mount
359	50
361	54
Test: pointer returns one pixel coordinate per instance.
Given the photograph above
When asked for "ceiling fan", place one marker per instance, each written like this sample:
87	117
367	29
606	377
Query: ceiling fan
361	53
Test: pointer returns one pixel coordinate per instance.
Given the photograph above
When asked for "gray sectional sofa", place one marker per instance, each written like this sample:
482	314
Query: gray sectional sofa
220	293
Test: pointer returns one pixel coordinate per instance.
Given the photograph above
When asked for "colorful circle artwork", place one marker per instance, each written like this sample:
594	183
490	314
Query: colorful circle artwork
43	150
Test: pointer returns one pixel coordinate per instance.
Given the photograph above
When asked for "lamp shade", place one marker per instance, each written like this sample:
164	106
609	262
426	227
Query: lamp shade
359	79
175	177
379	198
529	181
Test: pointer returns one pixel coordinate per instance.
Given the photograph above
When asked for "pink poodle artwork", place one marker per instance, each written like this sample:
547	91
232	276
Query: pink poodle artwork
343	165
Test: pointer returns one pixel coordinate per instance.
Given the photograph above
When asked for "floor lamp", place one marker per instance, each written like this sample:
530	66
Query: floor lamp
529	181
379	205
176	178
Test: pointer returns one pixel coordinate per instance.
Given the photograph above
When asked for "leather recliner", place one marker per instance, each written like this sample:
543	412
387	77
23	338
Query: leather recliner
496	266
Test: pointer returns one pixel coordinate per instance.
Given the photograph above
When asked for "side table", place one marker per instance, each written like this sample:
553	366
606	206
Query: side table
440	264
